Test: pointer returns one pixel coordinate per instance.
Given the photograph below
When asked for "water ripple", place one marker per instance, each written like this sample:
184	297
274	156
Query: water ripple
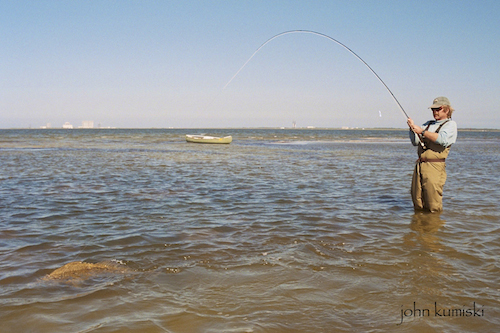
281	231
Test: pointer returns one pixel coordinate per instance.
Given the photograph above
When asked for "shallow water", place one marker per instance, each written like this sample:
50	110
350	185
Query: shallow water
280	231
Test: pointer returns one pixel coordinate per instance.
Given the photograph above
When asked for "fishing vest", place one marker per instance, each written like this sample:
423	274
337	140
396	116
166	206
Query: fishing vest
433	150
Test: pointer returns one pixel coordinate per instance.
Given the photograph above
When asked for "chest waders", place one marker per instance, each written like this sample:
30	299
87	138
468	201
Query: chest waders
429	175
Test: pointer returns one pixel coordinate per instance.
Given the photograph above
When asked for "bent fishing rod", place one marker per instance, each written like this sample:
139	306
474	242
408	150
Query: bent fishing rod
333	40
345	47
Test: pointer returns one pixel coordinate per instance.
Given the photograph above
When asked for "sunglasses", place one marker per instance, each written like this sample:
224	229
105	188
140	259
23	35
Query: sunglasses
437	109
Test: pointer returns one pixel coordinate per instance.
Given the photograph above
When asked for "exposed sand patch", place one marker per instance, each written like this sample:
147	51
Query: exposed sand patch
78	271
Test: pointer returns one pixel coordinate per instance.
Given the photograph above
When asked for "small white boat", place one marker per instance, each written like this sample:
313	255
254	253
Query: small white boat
208	139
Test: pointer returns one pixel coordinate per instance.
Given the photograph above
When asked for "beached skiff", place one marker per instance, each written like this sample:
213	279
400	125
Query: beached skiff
208	139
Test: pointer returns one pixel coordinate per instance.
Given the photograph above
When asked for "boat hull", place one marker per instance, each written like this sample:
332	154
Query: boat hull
208	139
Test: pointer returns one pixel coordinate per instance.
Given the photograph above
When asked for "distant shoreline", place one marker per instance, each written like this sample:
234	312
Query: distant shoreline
245	128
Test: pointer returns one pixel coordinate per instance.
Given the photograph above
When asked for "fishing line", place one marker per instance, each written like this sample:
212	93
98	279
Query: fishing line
330	38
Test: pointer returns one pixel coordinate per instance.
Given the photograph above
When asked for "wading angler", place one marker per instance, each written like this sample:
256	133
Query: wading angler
434	140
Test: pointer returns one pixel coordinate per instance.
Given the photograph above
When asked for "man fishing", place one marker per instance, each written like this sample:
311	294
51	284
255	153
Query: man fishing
434	140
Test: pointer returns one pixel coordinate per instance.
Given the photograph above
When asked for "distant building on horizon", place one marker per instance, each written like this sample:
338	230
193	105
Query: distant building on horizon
87	124
67	125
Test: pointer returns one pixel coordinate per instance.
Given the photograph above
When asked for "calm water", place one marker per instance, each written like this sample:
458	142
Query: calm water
281	231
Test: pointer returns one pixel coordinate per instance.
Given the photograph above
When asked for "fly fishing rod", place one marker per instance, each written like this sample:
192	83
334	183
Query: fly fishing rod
339	43
333	40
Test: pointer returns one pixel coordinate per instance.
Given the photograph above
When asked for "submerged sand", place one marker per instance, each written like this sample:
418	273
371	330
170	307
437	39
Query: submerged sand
78	271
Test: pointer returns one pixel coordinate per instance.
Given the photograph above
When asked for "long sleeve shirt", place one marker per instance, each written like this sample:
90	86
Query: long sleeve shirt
447	134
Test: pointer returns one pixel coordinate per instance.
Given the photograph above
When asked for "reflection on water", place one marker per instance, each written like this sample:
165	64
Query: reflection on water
281	231
427	226
426	222
429	267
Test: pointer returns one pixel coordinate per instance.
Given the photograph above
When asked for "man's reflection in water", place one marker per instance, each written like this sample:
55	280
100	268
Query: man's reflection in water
426	222
427	226
424	264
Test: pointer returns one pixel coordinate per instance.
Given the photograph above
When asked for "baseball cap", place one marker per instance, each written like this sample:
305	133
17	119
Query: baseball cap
439	101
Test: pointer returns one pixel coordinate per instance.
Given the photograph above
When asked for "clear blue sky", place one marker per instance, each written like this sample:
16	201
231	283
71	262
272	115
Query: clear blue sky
164	63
